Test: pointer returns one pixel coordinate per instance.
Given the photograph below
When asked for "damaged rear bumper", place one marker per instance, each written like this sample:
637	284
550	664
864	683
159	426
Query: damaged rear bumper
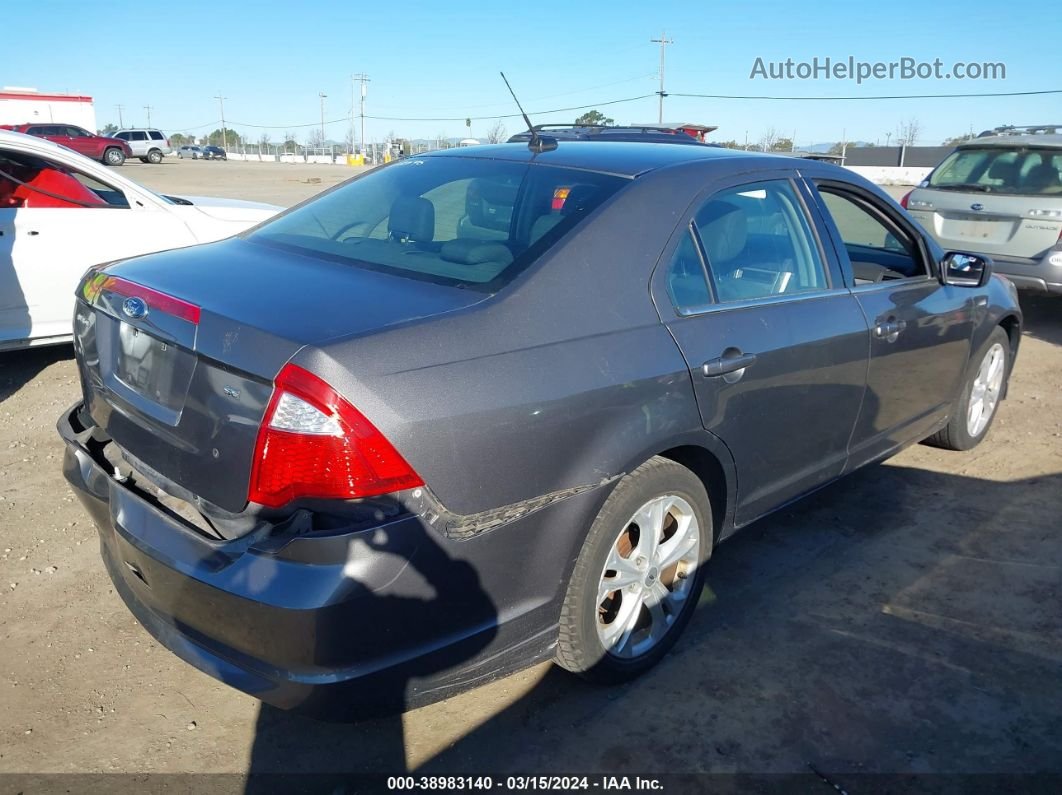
341	623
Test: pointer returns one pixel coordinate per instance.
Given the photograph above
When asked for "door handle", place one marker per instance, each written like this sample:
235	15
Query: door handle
889	330
725	364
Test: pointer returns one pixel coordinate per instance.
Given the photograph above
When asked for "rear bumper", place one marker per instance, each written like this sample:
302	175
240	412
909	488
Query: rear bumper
342	624
1040	275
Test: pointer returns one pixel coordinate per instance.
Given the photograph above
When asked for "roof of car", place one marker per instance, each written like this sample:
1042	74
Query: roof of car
1052	140
627	159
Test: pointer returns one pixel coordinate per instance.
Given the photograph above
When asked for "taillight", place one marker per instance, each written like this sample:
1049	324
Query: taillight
313	443
905	199
560	195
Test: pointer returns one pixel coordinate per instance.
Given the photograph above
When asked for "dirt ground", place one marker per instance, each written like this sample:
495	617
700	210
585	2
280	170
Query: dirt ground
905	619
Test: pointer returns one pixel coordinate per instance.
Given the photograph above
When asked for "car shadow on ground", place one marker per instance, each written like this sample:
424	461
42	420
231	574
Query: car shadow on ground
18	368
1042	316
900	620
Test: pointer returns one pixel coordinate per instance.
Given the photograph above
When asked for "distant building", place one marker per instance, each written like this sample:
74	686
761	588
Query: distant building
29	106
697	131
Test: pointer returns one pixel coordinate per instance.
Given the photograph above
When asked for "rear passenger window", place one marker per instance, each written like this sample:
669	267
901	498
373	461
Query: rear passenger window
155	135
877	250
139	136
758	243
686	281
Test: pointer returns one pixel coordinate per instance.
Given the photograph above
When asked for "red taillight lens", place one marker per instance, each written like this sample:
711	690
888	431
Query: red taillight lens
153	298
313	443
906	198
560	195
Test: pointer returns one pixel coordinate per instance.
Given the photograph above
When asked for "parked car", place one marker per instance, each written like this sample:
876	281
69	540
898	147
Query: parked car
496	405
214	153
1000	194
193	152
61	213
149	145
98	147
612	133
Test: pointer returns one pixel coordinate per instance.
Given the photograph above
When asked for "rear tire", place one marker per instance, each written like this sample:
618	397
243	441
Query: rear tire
154	157
113	156
982	389
639	575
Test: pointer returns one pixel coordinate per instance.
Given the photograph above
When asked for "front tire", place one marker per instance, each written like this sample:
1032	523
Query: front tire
113	156
639	575
982	389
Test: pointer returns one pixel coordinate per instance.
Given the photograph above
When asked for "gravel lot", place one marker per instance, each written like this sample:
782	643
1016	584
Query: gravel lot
905	619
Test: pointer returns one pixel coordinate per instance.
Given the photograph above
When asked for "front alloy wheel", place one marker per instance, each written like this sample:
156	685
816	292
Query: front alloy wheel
984	393
983	387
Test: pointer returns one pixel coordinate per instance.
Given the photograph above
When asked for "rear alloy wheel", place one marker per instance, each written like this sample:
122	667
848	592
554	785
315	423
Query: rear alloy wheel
154	156
639	574
985	383
114	156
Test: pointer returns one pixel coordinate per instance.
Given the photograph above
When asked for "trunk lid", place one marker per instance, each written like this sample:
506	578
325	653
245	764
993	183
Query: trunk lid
1000	225
178	350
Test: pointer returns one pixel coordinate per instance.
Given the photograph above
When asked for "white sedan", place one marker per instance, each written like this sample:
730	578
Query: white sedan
61	213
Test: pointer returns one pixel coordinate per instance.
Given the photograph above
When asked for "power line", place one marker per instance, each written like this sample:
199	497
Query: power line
626	100
440	118
876	96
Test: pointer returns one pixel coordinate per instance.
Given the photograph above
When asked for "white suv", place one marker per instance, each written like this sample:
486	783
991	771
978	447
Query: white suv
149	145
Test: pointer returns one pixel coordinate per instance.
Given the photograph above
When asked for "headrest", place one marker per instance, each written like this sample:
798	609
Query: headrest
412	218
489	203
1042	176
475	252
724	229
1006	170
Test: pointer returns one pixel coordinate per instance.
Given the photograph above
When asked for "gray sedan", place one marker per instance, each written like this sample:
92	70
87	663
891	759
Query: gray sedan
497	405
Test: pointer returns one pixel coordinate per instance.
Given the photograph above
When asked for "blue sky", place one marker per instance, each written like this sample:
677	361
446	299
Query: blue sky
441	59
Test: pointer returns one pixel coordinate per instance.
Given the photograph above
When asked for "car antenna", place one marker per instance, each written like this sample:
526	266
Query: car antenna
538	143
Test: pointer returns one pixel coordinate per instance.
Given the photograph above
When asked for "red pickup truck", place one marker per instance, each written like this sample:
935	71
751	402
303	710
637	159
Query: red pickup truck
110	151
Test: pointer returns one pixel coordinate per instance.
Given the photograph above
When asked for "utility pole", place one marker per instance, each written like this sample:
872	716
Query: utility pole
148	109
322	95
224	138
121	124
663	41
363	79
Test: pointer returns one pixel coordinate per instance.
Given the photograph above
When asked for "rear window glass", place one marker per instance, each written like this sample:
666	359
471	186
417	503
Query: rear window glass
1020	171
465	222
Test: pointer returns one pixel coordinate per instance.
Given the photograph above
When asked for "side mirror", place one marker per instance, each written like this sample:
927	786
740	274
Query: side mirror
965	270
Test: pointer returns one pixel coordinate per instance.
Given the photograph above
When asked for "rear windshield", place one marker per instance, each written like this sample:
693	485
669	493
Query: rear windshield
1024	171
464	222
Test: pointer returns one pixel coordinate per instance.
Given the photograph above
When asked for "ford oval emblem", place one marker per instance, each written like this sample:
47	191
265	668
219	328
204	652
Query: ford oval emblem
134	307
977	207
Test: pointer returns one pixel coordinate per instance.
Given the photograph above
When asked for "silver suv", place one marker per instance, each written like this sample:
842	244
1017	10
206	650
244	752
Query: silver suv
1000	194
149	145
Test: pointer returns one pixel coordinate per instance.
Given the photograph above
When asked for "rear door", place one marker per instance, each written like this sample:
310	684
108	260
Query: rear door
919	329
81	141
775	342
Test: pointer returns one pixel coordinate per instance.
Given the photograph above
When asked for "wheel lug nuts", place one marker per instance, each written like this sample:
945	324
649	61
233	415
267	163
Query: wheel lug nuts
640	562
